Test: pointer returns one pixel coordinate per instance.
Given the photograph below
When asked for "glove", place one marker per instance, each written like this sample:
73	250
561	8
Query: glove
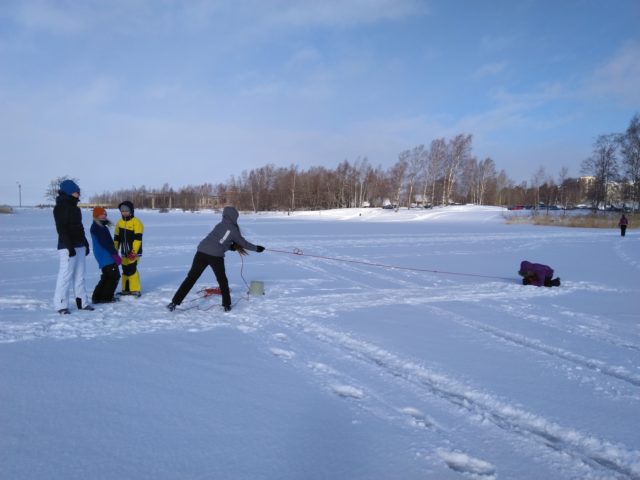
132	256
87	251
72	252
259	248
117	259
232	247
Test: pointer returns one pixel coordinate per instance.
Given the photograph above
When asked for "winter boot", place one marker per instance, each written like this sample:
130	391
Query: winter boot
86	307
64	311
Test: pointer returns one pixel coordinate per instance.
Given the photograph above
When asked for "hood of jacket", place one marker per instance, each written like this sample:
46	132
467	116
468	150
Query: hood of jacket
69	187
128	204
66	198
231	214
103	223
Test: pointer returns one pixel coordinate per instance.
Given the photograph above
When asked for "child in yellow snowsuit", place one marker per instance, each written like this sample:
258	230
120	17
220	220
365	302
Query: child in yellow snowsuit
128	239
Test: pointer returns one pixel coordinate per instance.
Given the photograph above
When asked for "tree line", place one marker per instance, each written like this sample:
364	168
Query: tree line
615	167
441	173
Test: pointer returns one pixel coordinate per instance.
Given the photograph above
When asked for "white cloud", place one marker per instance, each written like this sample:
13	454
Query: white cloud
489	70
164	91
543	94
43	15
100	91
516	110
303	58
70	16
342	12
619	77
265	89
495	43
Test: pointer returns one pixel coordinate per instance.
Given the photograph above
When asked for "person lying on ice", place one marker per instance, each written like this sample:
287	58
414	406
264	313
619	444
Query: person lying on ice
537	274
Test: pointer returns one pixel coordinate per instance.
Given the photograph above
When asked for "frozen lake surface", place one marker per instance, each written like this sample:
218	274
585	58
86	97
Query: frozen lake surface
434	363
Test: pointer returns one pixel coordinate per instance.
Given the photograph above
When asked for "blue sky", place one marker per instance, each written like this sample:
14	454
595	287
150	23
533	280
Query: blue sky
125	93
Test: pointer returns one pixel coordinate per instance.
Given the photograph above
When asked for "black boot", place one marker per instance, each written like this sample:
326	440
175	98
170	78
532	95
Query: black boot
86	307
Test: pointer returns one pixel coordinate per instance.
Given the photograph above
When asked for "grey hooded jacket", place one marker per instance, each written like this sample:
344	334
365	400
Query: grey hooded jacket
224	234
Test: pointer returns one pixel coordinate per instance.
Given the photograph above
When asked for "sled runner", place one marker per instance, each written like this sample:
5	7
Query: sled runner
199	301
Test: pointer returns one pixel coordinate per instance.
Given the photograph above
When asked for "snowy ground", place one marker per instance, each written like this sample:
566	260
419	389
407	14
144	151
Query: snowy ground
342	370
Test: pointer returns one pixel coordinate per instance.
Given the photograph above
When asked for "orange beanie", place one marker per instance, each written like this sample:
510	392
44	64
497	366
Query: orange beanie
97	211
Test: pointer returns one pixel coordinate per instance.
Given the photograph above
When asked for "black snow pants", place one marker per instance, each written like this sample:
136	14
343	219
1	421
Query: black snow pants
107	285
200	262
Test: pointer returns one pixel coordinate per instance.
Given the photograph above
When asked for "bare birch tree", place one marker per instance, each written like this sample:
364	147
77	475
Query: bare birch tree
486	175
602	165
459	149
397	176
630	150
415	164
436	158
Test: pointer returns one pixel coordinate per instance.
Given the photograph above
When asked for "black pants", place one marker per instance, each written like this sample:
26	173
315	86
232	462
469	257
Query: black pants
623	230
200	262
107	285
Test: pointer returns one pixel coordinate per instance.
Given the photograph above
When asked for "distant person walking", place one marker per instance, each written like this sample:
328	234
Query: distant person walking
73	247
106	256
224	236
623	225
128	239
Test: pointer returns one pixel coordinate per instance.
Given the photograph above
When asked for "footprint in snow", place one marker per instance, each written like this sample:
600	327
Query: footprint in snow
320	367
281	337
466	464
417	417
347	391
284	354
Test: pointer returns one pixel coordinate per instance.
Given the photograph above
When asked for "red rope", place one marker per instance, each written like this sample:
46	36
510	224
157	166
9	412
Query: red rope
297	251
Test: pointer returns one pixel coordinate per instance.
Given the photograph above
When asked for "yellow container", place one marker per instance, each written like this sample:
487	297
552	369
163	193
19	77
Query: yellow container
256	287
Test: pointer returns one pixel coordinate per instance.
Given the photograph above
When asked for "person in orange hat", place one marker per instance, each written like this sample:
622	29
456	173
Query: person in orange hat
106	256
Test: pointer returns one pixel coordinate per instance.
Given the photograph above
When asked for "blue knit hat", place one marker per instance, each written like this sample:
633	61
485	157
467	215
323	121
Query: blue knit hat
69	187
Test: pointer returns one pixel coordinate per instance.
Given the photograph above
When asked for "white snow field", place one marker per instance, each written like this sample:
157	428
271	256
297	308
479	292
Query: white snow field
445	367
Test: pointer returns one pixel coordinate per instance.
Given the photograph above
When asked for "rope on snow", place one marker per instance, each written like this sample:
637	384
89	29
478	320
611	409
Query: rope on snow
297	251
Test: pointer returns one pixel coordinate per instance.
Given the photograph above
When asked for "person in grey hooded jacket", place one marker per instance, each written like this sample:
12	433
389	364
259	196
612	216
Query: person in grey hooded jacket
210	253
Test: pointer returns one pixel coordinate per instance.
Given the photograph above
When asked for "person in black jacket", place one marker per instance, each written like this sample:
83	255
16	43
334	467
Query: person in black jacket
73	247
